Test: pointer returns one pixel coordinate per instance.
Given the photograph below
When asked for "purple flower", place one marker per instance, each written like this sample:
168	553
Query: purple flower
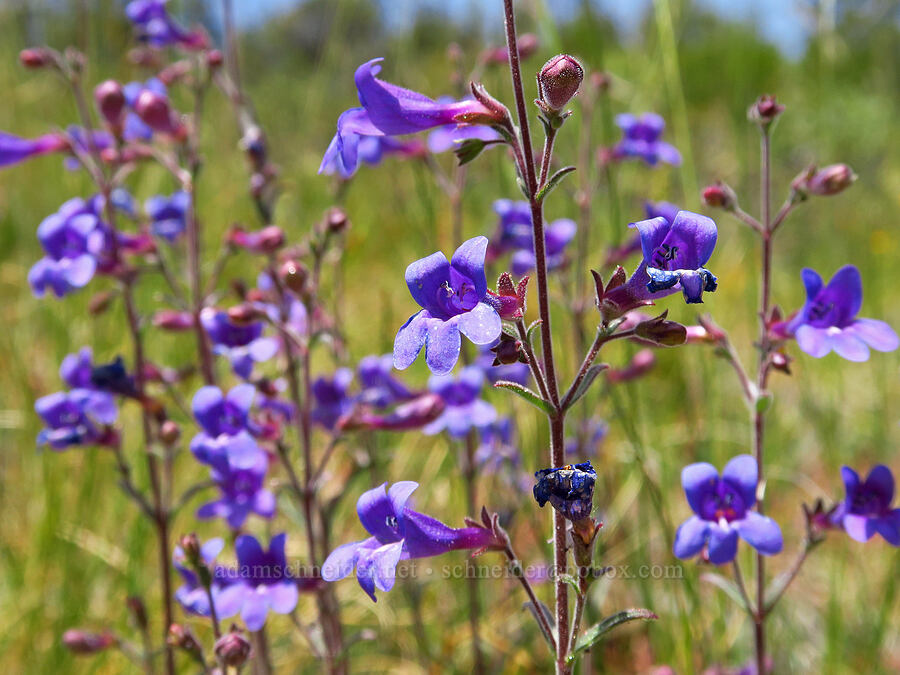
192	595
365	148
674	254
168	215
73	238
225	437
243	344
76	417
464	409
640	138
86	142
867	508
332	399
453	297
398	533
722	508
277	305
514	233
242	492
828	319
263	580
379	386
155	27
569	489
14	149
666	210
389	110
449	136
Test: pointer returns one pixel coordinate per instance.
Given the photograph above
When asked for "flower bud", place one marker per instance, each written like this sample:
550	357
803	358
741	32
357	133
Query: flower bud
831	179
214	58
36	57
182	637
100	302
243	314
336	220
720	195
509	300
233	648
155	112
110	100
559	80
190	544
601	81
83	642
169	432
764	111
265	241
138	611
661	332
507	351
294	275
173	320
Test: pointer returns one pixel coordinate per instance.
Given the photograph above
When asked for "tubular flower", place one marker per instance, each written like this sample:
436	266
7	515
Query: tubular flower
866	510
641	139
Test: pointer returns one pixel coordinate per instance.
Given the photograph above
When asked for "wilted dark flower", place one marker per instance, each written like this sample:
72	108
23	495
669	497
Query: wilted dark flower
569	489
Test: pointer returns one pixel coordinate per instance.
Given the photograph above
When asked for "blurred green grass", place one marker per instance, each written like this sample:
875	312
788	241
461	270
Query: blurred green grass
71	548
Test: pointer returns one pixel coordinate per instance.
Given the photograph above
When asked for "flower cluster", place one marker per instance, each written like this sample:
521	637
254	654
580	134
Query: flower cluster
515	235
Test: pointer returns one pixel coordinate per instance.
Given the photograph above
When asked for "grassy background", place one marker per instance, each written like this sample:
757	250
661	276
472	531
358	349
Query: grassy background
72	548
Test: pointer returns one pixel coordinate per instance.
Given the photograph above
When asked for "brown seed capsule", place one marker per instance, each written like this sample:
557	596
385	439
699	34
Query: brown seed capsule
294	275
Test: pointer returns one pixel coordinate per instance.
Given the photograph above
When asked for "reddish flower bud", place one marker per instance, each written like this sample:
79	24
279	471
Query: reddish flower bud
720	195
83	642
336	220
155	112
413	414
507	351
244	314
831	179
765	110
110	100
36	57
233	648
169	432
265	241
661	332
509	300
214	58
173	320
294	275
183	638
559	81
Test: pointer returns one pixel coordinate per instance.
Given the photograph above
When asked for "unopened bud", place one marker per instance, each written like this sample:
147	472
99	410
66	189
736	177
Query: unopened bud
294	275
190	544
83	642
100	302
243	314
507	351
36	57
138	611
180	636
154	111
214	58
831	179
110	100
233	648
661	332
265	241
559	81
765	110
173	320
720	195
336	220
169	432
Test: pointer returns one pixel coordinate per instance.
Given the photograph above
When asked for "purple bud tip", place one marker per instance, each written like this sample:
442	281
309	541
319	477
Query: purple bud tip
233	648
35	57
154	111
720	196
559	81
110	100
83	642
765	110
831	180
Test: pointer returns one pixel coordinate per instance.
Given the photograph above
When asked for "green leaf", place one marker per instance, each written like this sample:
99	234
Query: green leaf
587	381
531	327
543	609
596	632
527	394
763	402
572	581
553	181
728	586
468	150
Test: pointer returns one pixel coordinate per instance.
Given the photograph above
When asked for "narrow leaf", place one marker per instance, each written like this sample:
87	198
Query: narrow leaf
527	394
553	181
588	380
468	150
572	581
596	632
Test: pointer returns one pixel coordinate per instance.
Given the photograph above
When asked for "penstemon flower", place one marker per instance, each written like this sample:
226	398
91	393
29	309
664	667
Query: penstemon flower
242	492
192	595
674	255
464	409
828	320
454	298
379	386
14	149
569	489
722	512
866	509
641	139
398	533
242	343
155	27
332	398
76	417
225	438
168	215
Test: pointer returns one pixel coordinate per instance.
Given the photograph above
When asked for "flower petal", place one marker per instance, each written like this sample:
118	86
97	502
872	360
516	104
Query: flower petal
889	527
282	597
845	292
375	510
880	482
722	544
410	339
860	528
698	480
847	345
481	325
761	532
442	345
813	341
690	537
254	610
741	472
653	232
877	334
425	277
341	561
468	260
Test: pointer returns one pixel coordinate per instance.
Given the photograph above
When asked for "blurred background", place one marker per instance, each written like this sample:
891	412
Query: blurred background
72	548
